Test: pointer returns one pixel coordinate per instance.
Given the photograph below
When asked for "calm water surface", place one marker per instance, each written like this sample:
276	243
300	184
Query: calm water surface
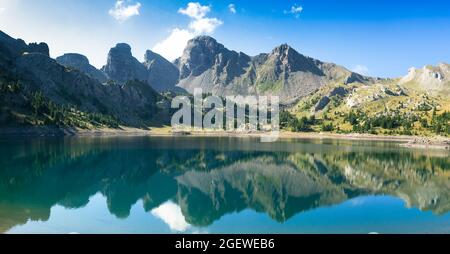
221	185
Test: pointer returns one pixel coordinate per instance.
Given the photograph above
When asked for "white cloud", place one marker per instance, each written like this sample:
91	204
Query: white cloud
195	10
361	69
232	8
296	10
172	47
122	12
171	214
2	9
205	25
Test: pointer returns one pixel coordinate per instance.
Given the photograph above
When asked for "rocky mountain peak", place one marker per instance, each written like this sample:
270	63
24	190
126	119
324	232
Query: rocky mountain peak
200	54
73	59
121	49
151	56
81	63
283	49
156	71
430	78
205	42
288	59
17	47
162	74
202	46
121	66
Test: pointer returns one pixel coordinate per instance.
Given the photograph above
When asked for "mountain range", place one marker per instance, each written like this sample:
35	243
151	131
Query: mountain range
134	93
207	64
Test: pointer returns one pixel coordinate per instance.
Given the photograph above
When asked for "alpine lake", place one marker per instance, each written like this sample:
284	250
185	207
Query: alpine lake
221	185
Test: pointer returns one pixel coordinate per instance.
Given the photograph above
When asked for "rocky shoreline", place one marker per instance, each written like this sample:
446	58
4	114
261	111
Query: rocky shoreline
405	141
428	143
49	131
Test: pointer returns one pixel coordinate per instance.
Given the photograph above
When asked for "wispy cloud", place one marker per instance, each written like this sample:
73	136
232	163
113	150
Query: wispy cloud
232	8
2	9
172	47
295	10
361	69
123	10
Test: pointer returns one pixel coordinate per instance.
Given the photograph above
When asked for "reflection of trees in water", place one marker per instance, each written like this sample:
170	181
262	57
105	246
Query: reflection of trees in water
207	183
422	181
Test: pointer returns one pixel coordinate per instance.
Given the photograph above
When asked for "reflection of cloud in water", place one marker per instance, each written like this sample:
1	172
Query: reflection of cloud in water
171	214
358	201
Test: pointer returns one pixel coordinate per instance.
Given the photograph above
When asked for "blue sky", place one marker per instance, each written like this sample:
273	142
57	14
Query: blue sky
377	37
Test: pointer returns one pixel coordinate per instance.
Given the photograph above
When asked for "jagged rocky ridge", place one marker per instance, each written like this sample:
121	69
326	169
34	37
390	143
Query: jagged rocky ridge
122	67
159	73
207	64
81	63
434	79
133	103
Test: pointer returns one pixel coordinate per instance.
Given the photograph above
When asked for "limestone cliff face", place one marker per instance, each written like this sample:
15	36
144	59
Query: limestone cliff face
121	66
162	75
430	78
156	71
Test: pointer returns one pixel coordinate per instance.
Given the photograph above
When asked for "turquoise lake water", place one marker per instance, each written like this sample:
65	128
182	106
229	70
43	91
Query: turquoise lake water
221	185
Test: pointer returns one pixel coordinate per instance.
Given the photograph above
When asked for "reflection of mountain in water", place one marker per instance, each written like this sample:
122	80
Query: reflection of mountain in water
208	183
264	183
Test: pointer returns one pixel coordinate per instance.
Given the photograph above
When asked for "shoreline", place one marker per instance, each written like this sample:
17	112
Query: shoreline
421	142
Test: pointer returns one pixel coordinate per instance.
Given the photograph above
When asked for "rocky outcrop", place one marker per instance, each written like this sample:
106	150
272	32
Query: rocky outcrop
12	48
339	91
207	64
357	78
323	102
41	48
121	66
81	63
156	71
204	52
429	78
162	74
